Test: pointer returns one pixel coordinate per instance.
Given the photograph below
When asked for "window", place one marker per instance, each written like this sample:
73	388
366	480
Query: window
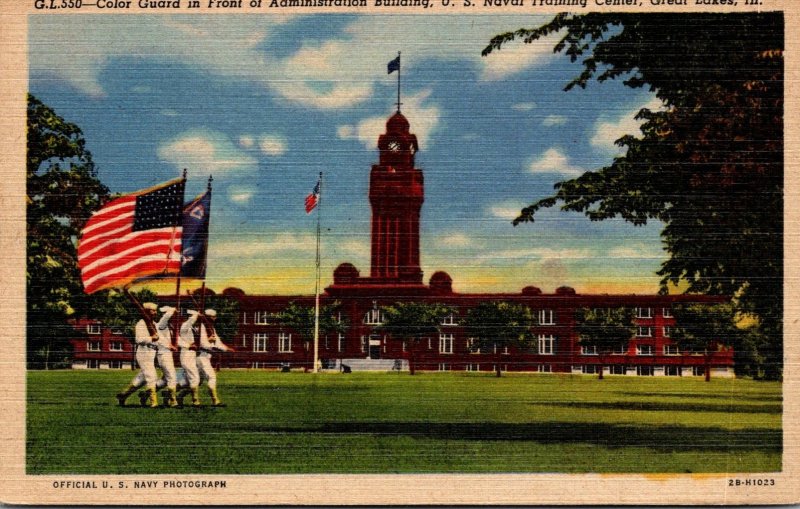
644	312
644	370
445	343
363	344
93	346
545	368
616	369
374	315
672	370
115	346
284	342
667	332
698	371
644	350
671	350
93	329
546	317
589	350
117	331
340	345
449	320
644	332
590	369
244	340
261	318
666	312
444	367
473	367
620	350
93	364
115	364
430	345
244	318
547	344
260	342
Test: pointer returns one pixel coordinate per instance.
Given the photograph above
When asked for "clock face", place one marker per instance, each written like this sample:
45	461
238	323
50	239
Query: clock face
394	146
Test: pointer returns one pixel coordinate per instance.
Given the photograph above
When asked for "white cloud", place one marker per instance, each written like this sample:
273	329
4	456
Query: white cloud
551	120
336	73
246	141
517	56
207	152
523	106
608	131
241	194
554	161
506	210
273	145
222	45
423	120
457	240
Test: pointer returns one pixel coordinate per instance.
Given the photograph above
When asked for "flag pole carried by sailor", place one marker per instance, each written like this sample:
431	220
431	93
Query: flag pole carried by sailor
314	200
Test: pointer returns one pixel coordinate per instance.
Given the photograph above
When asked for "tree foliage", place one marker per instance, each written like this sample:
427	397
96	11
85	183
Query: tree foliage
413	321
62	192
709	165
300	318
605	329
498	324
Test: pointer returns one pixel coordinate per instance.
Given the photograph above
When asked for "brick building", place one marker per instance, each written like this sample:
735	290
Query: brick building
396	194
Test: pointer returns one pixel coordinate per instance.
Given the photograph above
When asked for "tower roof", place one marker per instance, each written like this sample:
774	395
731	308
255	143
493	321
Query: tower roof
397	123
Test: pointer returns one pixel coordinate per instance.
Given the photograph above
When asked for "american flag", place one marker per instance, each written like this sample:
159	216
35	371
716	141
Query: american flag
133	237
312	199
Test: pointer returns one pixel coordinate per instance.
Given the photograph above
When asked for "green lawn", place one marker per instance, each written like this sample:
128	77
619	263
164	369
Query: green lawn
385	423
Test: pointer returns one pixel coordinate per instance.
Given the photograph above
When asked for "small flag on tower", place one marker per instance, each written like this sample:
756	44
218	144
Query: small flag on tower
312	199
394	65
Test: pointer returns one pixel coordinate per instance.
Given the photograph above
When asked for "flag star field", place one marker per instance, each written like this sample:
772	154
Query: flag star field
266	103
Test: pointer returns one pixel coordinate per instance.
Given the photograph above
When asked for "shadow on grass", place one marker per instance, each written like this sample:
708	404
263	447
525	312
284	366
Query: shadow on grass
663	438
667	407
695	395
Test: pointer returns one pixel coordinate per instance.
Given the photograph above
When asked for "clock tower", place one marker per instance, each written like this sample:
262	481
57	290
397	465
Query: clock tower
396	196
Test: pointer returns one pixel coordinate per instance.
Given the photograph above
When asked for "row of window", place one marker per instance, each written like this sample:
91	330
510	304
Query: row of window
640	350
375	317
97	346
647	370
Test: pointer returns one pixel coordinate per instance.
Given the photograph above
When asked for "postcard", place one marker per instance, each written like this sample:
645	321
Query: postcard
399	252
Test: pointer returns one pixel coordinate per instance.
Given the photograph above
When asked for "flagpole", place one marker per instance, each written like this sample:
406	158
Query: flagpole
177	326
399	70
315	368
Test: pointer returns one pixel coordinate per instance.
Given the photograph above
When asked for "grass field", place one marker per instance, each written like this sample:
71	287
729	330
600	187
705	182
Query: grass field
387	423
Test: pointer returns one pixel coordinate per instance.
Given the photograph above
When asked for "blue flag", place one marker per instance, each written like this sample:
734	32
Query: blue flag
394	65
196	215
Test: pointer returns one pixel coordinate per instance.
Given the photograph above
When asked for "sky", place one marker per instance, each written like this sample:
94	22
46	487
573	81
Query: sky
266	103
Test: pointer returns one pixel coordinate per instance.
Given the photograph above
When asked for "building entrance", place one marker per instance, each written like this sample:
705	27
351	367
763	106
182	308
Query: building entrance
374	347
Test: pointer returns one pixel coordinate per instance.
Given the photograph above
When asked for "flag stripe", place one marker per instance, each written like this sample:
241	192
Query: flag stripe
114	234
136	244
105	221
142	267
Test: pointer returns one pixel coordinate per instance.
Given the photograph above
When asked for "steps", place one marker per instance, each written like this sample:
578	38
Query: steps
373	364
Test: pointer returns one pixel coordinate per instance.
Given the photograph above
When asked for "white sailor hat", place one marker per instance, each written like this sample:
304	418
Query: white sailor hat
150	305
210	312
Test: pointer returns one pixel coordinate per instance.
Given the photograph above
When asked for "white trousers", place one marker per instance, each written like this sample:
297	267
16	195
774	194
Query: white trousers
167	363
207	371
189	364
146	358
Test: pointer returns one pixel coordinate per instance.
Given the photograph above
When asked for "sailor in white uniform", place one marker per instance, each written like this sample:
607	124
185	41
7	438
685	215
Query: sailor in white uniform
188	357
146	346
209	343
166	361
